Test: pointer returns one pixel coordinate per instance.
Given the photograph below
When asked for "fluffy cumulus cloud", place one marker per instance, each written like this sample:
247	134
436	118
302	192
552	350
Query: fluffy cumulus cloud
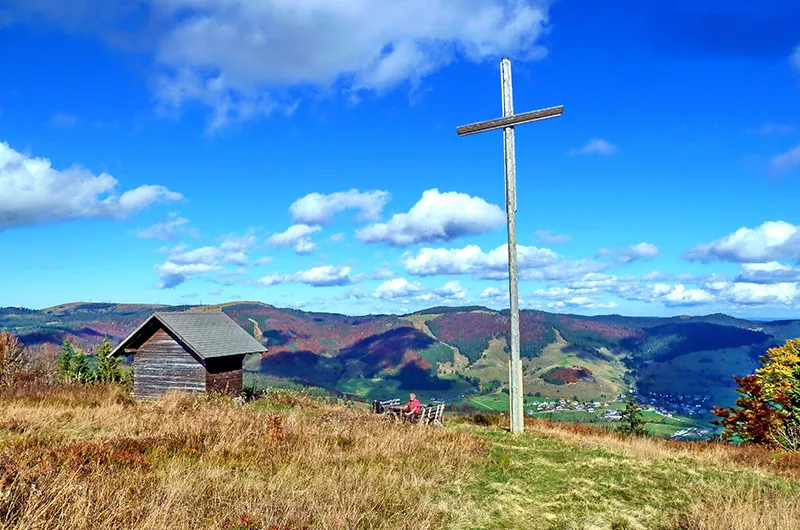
771	272
760	294
679	295
452	291
173	228
397	288
404	291
323	276
236	56
472	260
296	236
316	208
596	146
33	192
183	264
786	161
772	241
436	217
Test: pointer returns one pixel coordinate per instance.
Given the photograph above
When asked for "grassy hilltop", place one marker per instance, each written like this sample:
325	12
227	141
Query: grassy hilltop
90	457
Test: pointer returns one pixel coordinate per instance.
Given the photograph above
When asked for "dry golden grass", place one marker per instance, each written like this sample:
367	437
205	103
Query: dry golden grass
94	459
89	458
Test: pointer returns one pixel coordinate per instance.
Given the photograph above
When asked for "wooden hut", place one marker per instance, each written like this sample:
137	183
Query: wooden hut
191	351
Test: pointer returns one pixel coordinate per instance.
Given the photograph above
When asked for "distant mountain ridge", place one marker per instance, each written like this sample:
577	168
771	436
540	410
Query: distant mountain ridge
453	351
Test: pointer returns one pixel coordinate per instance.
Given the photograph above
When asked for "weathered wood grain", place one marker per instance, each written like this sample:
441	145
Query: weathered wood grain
162	364
510	121
229	382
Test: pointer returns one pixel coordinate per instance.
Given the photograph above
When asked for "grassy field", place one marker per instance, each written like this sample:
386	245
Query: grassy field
92	458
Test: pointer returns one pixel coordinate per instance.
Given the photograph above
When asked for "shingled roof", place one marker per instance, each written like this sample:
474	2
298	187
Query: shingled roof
208	334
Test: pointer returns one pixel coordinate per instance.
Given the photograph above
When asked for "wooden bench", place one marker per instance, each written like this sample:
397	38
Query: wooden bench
382	407
432	415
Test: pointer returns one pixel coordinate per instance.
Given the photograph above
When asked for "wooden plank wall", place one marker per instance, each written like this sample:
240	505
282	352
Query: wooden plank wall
230	382
162	364
225	374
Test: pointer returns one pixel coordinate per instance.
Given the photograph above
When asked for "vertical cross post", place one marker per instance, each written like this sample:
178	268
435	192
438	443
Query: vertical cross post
515	364
507	123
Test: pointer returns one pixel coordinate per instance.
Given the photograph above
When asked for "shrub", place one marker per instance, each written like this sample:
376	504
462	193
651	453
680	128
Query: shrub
12	358
632	421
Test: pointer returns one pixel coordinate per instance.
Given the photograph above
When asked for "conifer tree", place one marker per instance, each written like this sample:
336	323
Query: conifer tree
65	361
632	421
107	365
79	369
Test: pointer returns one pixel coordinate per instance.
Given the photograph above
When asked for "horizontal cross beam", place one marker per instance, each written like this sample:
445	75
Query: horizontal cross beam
510	121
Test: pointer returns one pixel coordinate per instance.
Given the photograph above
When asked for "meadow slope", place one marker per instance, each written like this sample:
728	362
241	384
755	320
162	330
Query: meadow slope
93	458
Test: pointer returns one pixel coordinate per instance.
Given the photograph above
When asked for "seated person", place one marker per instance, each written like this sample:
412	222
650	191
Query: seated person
413	407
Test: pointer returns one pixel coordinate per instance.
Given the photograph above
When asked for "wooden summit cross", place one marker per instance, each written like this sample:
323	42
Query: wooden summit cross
507	123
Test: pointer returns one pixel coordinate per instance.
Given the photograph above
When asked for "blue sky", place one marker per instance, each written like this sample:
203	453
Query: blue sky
303	153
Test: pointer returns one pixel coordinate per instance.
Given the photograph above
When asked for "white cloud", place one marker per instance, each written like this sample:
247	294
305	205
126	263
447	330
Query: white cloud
338	237
173	274
236	56
768	273
296	236
173	228
204	255
403	291
773	240
632	253
263	261
236	258
382	274
452	291
234	243
231	54
786	161
494	293
759	294
596	146
436	217
472	260
183	264
143	196
550	238
317	209
397	288
562	270
679	295
33	192
323	276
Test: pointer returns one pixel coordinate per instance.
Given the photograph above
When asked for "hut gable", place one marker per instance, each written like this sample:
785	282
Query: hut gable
188	351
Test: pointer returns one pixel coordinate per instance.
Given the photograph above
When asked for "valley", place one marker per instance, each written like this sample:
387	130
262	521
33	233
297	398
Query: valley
679	366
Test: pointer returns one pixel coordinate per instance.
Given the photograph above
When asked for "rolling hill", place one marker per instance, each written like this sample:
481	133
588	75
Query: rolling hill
452	352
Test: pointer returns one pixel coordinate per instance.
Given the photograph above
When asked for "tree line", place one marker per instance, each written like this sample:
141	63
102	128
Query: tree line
74	366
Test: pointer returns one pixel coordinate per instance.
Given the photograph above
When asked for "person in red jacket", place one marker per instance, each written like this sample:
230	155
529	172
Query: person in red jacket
413	407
